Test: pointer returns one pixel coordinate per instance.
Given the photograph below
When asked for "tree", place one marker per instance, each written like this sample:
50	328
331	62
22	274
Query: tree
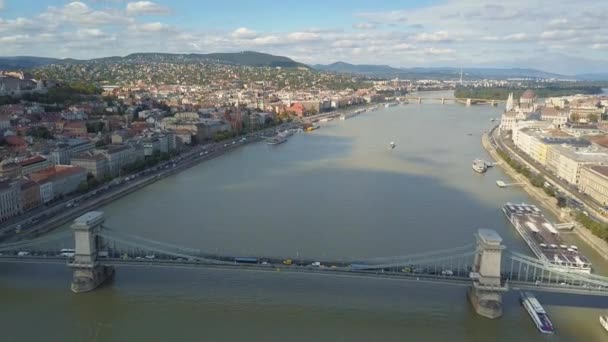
92	183
39	132
101	143
83	186
95	127
592	117
574	117
562	202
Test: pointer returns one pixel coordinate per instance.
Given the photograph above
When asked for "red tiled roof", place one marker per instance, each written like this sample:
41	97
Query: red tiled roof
13	140
33	160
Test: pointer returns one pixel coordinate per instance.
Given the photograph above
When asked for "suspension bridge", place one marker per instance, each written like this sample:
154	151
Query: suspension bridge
484	265
443	100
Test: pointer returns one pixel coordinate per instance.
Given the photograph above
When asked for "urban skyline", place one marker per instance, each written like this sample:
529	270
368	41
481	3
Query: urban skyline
556	37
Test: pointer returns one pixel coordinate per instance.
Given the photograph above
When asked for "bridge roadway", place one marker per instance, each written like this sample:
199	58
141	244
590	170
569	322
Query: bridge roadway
458	278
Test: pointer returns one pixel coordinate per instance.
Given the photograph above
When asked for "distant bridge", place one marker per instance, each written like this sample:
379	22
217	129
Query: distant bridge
98	250
443	100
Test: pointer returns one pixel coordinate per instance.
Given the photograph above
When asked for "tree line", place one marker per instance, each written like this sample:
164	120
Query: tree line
502	93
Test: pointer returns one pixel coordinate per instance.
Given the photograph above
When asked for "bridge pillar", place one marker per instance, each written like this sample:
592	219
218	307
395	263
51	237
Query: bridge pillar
89	273
486	292
468	102
419	99
493	103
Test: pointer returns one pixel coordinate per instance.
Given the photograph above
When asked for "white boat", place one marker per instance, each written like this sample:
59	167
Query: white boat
480	166
604	321
537	313
392	145
390	104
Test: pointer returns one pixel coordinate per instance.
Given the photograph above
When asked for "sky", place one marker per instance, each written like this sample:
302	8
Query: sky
564	36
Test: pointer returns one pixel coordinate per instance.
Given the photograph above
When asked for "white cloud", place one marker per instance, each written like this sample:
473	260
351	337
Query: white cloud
516	37
364	26
558	34
465	32
266	40
244	33
403	46
347	43
153	27
599	46
398	16
80	14
490	38
439	36
145	7
437	51
304	36
90	33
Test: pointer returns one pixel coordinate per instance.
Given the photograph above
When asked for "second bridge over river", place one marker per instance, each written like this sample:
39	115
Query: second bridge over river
483	266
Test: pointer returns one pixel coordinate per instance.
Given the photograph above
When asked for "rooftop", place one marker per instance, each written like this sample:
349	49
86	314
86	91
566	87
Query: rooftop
601	169
31	161
528	94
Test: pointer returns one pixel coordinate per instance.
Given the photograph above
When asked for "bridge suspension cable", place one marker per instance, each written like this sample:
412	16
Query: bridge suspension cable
139	238
453	259
35	242
159	250
538	269
413	257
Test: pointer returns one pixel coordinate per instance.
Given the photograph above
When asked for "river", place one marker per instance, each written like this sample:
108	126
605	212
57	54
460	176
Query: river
338	192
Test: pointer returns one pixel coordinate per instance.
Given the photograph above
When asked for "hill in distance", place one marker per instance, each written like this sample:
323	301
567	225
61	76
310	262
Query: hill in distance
245	58
448	72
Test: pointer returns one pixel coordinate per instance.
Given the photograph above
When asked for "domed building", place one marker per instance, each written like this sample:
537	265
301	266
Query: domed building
527	97
527	101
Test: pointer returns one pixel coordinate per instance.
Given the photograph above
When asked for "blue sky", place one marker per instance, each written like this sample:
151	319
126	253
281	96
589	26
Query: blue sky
555	35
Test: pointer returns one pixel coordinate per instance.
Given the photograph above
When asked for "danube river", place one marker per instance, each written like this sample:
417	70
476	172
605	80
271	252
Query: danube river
338	192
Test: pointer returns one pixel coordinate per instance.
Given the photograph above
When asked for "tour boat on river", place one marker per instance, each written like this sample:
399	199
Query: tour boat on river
537	313
604	321
480	166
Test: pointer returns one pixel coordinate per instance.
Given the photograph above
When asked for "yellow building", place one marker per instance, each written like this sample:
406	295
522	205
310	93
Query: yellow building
594	182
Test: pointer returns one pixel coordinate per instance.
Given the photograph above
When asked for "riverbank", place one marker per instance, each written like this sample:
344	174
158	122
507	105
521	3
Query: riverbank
191	159
548	202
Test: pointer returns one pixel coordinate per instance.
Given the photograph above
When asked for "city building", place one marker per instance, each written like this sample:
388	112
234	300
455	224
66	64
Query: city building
34	164
75	129
64	150
534	138
95	164
510	117
578	129
30	195
120	155
65	179
585	109
10	199
594	182
120	136
151	145
566	161
10	170
46	190
555	116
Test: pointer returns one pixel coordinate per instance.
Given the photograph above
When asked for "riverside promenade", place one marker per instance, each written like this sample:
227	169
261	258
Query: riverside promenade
548	202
